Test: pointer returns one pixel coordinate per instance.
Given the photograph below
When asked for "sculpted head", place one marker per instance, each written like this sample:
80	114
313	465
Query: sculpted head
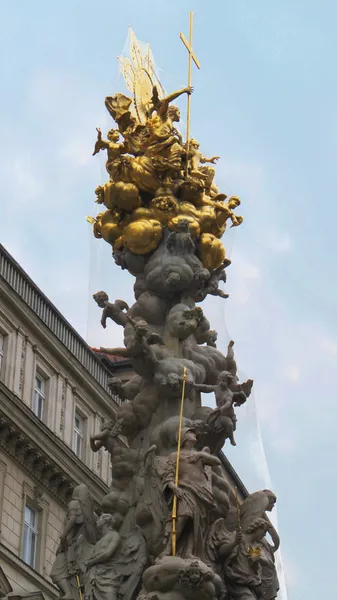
108	522
192	576
141	328
113	135
188	437
233	202
194	144
173	381
100	298
225	378
258	529
271	499
174	113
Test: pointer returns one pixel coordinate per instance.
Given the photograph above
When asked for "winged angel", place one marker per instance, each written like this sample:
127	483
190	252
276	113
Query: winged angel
146	133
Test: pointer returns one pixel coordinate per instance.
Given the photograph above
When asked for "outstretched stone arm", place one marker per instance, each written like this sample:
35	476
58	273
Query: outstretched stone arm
212	160
117	351
164	104
98	437
117	386
100	144
274	536
202	387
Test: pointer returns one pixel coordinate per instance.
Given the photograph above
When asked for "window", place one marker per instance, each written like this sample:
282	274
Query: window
39	396
30	535
2	348
78	434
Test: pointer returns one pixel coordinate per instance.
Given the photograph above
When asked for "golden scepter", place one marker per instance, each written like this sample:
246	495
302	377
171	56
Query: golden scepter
176	480
79	587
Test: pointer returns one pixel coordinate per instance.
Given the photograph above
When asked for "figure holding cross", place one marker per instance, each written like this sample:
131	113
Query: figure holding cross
165	141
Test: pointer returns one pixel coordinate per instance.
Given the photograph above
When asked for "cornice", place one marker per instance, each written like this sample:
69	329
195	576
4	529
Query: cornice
27	572
5	586
39	451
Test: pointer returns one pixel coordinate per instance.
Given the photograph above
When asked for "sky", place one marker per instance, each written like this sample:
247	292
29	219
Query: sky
265	101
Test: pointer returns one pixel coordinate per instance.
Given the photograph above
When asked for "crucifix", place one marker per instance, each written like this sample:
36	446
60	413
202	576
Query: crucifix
191	56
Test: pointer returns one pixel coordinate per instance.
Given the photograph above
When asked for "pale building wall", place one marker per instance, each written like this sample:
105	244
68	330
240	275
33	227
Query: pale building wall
18	488
24	356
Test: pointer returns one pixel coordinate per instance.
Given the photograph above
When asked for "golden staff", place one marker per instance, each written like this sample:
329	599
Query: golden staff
79	587
176	480
191	56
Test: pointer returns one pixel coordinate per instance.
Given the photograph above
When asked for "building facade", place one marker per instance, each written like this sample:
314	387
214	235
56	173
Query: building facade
54	394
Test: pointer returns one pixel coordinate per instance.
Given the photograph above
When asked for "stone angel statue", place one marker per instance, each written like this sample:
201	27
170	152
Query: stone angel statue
153	511
117	562
252	512
77	540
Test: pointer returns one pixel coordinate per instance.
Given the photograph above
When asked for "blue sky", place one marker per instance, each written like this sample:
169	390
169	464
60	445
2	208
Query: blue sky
265	101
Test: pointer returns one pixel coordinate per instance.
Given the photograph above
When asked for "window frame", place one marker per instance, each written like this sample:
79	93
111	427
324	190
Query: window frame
34	498
34	530
78	434
41	393
3	350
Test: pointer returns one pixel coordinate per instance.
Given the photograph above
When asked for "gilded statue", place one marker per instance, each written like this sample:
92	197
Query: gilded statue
164	142
204	174
114	150
154	170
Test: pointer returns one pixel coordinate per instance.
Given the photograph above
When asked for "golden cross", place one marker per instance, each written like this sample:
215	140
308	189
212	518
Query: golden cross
191	56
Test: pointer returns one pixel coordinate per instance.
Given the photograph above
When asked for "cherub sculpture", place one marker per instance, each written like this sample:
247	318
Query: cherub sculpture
212	286
203	174
114	149
114	311
224	394
212	338
221	422
244	387
107	437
